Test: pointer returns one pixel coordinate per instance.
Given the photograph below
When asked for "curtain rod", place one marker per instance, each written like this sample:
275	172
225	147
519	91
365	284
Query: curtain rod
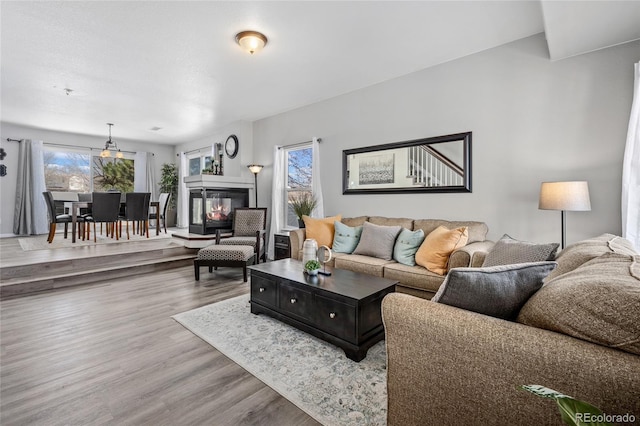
208	148
13	140
297	144
74	146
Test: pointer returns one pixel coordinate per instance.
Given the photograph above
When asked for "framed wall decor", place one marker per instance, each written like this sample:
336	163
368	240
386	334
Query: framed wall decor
435	164
231	146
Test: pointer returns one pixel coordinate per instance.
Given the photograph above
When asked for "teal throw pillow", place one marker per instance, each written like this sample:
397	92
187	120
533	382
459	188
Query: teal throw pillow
407	244
346	238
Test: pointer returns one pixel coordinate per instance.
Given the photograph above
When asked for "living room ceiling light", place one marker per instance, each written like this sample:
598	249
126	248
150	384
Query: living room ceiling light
111	145
251	41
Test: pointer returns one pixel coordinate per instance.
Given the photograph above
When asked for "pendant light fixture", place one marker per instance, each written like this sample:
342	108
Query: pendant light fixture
111	145
251	41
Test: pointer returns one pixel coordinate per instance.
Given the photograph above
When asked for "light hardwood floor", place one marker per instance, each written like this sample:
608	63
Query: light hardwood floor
110	353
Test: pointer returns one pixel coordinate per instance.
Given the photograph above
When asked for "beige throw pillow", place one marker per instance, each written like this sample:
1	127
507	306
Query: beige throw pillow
436	248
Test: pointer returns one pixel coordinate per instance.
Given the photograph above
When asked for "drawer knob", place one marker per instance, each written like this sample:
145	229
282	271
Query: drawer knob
261	290
293	300
332	315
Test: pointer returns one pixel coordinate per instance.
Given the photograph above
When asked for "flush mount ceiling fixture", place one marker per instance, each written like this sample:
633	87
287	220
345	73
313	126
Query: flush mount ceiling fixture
251	41
111	145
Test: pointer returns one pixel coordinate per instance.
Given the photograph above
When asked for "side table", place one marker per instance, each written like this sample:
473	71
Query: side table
282	247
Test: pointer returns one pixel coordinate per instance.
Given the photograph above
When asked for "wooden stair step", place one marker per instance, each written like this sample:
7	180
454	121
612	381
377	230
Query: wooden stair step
24	285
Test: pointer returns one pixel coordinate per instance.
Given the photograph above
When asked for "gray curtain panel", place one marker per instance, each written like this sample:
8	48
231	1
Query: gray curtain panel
30	215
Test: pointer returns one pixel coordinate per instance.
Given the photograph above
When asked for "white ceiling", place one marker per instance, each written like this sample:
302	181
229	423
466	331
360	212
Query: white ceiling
175	65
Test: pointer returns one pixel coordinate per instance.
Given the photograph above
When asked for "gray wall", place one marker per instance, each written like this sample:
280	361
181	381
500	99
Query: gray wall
163	154
532	120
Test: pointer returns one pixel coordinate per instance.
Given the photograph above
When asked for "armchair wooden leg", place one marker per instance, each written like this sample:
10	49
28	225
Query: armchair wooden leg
66	229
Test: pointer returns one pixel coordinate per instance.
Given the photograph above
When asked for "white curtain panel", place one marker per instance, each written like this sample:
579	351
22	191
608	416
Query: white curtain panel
144	175
140	172
631	170
183	193
277	199
30	214
152	183
316	186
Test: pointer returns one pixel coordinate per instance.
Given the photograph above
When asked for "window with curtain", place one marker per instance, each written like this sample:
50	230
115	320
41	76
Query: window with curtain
112	173
76	170
66	169
298	178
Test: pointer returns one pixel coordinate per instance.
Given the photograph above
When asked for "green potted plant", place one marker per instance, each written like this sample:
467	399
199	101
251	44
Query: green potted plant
169	183
312	267
302	204
572	411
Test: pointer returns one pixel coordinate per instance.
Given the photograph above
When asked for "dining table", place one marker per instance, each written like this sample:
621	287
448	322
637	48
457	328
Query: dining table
75	207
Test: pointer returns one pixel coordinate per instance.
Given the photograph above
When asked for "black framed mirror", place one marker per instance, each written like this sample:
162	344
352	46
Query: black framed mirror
436	164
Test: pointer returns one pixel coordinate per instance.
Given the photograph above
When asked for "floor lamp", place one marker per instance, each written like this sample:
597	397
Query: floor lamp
255	169
564	196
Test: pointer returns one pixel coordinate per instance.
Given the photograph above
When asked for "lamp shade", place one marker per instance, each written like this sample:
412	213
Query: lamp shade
255	168
569	196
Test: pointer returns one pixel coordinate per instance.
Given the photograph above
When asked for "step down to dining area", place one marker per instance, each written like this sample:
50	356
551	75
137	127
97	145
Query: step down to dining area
42	270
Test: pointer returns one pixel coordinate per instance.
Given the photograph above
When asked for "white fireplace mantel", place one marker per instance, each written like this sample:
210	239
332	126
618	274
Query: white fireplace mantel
213	181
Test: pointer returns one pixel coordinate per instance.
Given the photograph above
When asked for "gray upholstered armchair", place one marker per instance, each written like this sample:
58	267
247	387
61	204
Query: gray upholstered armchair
249	228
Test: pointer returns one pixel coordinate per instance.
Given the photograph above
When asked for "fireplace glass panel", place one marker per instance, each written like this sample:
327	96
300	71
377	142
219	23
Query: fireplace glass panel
211	209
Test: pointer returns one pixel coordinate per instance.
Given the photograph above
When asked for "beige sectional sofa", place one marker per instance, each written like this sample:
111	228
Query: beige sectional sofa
579	335
414	280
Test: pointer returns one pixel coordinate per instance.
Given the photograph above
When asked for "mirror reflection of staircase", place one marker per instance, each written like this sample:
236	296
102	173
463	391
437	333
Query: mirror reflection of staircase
428	167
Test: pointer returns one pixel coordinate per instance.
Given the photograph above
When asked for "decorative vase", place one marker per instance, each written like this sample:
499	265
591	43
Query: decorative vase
309	251
300	223
312	271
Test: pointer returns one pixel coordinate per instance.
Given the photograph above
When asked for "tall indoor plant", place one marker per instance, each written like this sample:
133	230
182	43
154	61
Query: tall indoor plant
169	183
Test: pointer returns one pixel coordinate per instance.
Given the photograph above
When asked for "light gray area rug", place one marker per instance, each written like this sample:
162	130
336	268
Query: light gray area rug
39	242
314	375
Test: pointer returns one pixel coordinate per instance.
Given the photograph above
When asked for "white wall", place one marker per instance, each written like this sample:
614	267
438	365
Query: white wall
532	120
162	154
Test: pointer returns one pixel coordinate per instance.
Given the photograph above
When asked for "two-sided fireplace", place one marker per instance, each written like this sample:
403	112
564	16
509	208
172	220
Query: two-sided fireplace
212	208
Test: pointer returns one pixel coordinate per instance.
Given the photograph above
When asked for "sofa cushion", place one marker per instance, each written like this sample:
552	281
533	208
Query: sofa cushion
583	251
416	277
434	252
345	238
508	250
498	291
354	221
377	241
407	244
364	264
477	230
598	302
402	222
320	230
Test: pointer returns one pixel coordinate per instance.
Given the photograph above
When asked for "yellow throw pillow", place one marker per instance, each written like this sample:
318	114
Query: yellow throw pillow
436	248
320	230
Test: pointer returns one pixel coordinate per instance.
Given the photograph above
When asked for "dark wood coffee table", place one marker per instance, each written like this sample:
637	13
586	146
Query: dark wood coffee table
343	309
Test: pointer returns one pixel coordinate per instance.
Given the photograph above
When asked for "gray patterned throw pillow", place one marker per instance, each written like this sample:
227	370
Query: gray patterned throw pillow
508	251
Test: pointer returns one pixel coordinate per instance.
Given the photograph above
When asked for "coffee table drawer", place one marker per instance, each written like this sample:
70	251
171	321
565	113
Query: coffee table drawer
264	290
336	318
295	301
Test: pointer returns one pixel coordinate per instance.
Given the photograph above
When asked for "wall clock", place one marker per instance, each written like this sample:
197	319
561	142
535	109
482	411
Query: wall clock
231	146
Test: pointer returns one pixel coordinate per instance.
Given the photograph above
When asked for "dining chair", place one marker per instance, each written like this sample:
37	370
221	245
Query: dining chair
55	218
105	208
137	210
161	213
249	228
